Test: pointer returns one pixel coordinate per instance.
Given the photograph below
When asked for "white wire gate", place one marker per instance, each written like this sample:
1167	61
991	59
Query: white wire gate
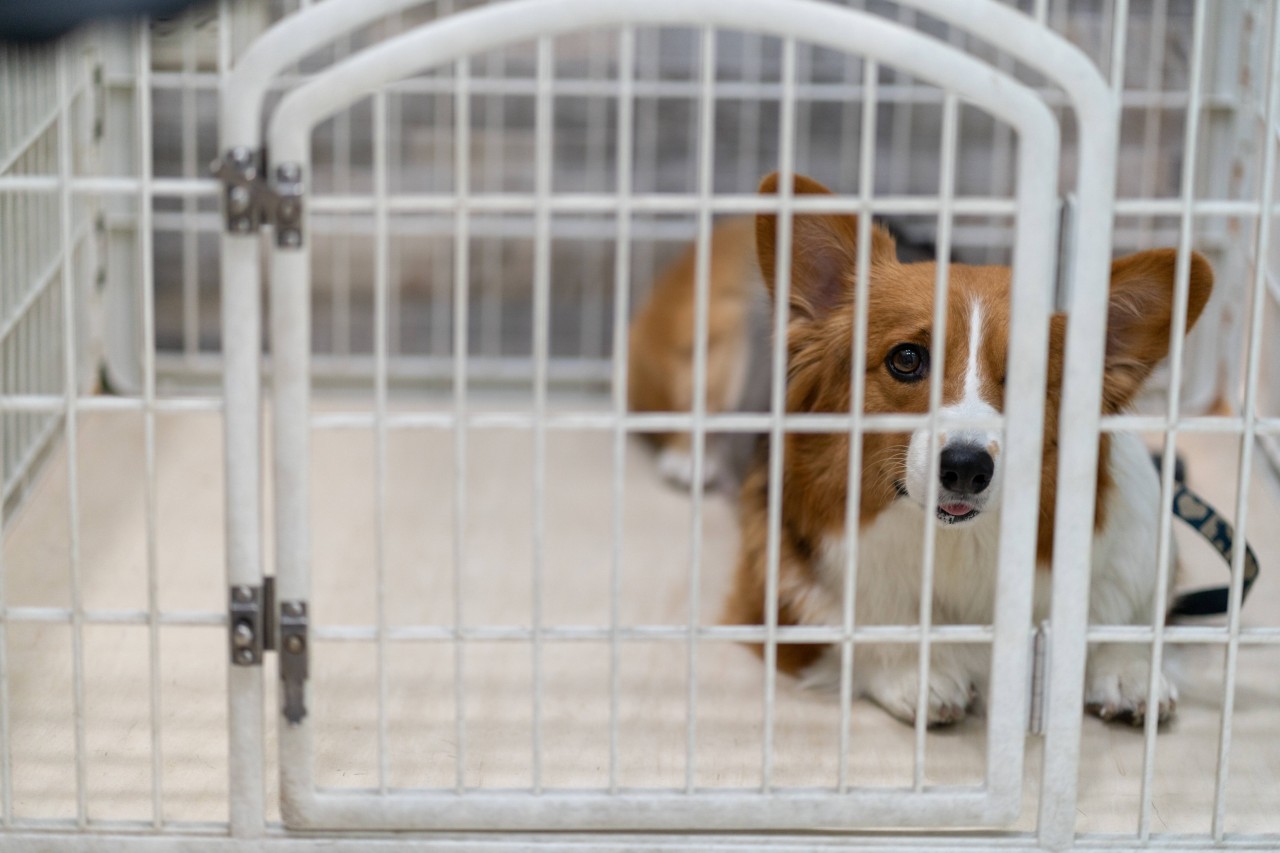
1030	79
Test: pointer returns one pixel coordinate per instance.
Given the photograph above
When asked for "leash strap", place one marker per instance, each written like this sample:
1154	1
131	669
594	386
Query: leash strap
1189	507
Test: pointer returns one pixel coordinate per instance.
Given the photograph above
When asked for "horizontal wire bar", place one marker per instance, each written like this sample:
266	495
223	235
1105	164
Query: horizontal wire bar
403	368
333	203
748	203
105	403
653	203
585	227
142	828
654	633
729	90
1180	634
61	833
636	422
646	422
603	793
110	185
113	616
1205	423
746	422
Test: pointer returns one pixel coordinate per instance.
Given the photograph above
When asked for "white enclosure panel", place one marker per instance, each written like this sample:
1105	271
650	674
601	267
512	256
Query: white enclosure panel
473	32
115	729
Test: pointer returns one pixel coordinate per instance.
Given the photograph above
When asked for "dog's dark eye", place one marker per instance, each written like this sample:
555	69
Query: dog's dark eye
908	362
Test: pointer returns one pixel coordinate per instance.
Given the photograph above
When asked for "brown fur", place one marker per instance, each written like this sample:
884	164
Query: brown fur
660	365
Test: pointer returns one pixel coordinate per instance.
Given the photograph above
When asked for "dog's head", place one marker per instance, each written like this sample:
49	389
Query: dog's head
901	351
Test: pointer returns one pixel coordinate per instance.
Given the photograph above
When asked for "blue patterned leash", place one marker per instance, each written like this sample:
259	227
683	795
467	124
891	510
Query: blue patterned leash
1206	521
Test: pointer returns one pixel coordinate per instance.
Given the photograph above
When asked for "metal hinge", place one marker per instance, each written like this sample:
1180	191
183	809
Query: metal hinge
249	202
249	616
99	103
254	621
1039	681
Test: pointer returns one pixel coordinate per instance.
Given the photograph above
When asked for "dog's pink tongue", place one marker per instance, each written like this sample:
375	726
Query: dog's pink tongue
956	509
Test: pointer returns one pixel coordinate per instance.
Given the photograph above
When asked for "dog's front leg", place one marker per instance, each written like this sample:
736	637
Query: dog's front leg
890	675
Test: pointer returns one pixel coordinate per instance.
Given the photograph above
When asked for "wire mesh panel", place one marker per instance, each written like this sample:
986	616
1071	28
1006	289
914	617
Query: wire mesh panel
571	800
507	602
36	254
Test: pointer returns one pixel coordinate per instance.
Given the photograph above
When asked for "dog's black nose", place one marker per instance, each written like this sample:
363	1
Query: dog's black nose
966	469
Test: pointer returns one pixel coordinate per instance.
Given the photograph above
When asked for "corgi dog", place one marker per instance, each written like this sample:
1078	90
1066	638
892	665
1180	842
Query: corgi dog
892	514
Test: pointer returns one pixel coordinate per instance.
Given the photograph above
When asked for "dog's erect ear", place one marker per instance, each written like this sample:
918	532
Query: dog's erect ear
824	251
1140	317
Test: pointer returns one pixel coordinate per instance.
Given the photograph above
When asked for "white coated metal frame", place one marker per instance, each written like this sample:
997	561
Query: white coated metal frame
55	182
464	34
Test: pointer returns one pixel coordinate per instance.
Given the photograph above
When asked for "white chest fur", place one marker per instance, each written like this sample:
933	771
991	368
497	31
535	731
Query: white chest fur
891	555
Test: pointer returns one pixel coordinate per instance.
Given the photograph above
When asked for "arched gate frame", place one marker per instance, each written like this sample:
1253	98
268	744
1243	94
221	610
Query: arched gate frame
457	37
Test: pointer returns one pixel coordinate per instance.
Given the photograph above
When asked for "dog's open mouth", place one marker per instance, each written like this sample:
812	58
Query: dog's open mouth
952	512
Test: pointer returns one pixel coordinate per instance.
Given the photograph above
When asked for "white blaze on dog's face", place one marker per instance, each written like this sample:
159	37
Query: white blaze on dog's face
968	467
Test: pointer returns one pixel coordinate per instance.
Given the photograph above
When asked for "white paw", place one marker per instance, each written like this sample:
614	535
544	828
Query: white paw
1117	683
896	688
676	466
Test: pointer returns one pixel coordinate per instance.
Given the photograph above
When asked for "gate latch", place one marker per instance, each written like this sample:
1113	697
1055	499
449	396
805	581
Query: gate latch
293	658
254	621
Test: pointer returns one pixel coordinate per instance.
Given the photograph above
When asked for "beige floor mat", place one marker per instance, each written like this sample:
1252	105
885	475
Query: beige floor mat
497	682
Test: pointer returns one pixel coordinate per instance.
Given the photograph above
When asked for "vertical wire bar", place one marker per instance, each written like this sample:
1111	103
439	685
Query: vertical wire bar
702	297
649	70
749	141
541	335
1164	553
621	304
900	167
224	39
1061	17
777	405
491	273
1156	44
439	315
8	275
1001	153
857	384
142	94
461	277
190	234
937	369
804	108
341	320
591	342
849	131
1250	422
380	322
1119	46
71	422
395	119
